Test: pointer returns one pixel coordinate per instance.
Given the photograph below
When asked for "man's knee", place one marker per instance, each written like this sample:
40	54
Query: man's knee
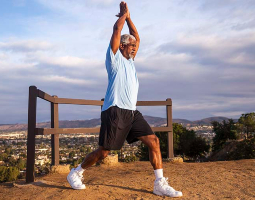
152	142
155	142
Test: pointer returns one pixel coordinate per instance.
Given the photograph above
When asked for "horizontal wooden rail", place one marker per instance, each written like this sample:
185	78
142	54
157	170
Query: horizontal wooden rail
45	96
48	131
79	101
154	103
96	102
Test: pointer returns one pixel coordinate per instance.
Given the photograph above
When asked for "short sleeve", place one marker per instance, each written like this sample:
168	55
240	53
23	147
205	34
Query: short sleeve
111	59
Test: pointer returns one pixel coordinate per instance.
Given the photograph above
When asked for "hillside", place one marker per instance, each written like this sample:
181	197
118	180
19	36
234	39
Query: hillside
153	121
209	180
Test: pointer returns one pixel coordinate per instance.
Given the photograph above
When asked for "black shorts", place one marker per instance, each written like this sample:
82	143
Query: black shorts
118	125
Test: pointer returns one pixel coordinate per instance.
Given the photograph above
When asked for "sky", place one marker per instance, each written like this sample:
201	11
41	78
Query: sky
198	53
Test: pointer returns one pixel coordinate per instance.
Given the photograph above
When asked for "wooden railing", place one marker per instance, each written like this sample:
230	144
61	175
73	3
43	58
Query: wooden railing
55	130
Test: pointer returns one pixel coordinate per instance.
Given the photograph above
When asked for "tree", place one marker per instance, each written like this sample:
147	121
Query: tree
89	150
186	143
23	155
244	150
71	154
186	139
3	156
8	150
11	161
82	149
224	131
246	123
198	148
143	151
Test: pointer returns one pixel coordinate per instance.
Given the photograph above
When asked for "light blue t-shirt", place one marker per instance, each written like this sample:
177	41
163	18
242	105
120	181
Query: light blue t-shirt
123	83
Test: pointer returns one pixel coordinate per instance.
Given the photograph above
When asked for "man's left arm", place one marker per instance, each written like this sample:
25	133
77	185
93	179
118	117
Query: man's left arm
132	30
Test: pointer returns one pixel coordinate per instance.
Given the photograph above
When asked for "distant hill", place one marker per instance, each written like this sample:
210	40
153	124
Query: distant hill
153	121
208	120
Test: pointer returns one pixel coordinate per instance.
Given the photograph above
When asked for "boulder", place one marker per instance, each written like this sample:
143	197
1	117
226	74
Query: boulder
110	160
60	169
173	160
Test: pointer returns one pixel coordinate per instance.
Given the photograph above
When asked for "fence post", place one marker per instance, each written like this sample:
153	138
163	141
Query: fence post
31	125
170	125
102	106
54	137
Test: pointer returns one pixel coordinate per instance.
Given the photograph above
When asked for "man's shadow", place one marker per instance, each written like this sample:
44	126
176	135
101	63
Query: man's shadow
125	188
39	183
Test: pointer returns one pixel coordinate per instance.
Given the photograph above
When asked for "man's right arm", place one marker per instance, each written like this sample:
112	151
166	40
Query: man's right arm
117	28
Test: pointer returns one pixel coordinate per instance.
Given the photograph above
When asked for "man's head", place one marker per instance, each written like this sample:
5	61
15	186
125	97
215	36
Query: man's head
128	46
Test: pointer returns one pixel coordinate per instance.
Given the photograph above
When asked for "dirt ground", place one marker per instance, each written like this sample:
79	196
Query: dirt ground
209	180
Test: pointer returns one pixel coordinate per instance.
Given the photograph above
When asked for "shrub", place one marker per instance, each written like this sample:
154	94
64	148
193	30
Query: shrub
131	158
244	150
8	173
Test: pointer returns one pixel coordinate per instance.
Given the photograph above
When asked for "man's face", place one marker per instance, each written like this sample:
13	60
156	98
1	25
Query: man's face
128	50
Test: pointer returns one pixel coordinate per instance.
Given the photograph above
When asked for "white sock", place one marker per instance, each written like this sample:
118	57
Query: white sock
158	173
80	169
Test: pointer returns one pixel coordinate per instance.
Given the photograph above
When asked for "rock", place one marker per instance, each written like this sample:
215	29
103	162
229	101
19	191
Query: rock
60	169
173	160
110	160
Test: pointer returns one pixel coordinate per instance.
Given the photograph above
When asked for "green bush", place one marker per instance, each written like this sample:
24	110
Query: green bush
131	158
186	144
8	173
244	150
3	173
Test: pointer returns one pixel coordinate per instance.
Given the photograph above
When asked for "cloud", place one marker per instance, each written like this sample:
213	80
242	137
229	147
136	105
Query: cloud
229	114
68	61
26	45
77	8
3	56
66	80
213	50
250	24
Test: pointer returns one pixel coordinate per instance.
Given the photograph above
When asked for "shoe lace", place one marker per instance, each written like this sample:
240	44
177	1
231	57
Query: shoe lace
164	182
80	176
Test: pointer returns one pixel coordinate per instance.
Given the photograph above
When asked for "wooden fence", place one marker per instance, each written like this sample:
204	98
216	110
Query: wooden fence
54	131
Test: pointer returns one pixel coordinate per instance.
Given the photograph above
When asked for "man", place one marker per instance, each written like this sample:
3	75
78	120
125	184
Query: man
120	120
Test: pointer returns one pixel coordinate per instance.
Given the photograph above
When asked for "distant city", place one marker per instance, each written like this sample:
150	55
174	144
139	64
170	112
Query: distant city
73	147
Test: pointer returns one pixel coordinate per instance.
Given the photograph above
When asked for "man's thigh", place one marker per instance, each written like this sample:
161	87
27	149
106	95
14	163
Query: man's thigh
115	126
140	127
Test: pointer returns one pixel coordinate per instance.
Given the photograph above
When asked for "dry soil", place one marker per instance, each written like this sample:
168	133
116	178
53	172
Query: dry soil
209	180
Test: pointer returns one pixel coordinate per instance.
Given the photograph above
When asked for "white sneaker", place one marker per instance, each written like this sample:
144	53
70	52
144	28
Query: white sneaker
75	179
162	188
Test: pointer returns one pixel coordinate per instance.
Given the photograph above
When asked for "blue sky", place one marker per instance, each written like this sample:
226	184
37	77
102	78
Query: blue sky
199	53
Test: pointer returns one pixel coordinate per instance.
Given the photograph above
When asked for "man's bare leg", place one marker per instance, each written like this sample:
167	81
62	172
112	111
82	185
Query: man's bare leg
161	186
152	142
75	176
94	156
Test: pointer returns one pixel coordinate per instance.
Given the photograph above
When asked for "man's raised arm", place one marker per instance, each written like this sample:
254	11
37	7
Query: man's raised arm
132	29
117	28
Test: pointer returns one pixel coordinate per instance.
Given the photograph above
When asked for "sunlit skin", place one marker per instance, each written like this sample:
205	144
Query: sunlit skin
151	141
128	51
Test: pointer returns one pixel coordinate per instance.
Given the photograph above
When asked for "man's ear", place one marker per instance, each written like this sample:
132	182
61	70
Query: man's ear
121	46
